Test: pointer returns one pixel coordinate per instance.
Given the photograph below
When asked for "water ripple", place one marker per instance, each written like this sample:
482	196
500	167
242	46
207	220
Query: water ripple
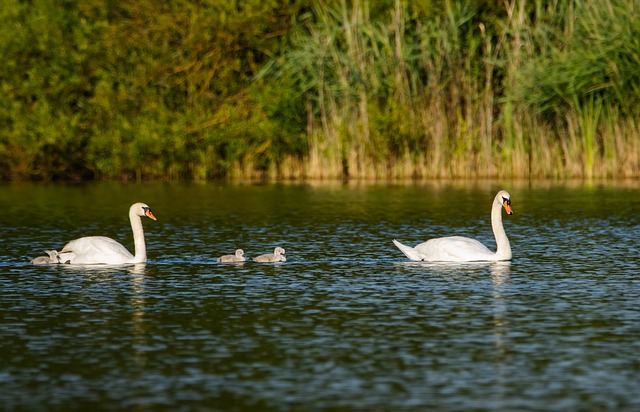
346	323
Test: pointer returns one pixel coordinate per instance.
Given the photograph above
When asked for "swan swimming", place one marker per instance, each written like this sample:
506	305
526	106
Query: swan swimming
278	255
464	249
101	250
237	257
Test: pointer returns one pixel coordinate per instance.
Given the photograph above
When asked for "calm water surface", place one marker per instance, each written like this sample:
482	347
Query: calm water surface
347	323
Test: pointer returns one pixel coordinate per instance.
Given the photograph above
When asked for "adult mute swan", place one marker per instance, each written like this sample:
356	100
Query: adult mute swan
276	256
96	250
237	257
464	249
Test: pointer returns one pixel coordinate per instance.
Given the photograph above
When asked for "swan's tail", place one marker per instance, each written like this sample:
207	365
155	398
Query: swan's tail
409	252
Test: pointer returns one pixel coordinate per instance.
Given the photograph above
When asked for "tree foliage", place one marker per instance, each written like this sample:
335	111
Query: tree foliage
102	89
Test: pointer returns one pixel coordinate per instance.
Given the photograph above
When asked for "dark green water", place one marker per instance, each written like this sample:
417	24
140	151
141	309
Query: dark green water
347	323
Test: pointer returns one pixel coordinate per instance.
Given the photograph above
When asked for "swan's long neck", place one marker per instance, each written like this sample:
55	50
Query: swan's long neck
503	251
138	238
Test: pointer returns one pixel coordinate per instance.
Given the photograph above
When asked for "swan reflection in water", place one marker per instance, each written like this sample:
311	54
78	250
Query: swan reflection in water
140	334
132	280
96	272
500	278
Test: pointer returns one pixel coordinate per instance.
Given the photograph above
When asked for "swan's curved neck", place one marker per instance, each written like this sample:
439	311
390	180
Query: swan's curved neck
138	238
503	251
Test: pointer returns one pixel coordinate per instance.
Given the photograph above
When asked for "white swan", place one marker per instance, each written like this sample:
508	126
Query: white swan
237	257
276	256
96	250
464	249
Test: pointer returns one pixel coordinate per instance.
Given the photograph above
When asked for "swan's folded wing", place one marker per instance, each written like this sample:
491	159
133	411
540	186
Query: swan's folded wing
94	249
454	249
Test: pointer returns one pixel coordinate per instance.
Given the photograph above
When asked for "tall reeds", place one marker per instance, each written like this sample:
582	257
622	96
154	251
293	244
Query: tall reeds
313	89
529	93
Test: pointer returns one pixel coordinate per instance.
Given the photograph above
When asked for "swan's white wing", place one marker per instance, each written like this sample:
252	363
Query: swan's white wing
454	249
95	250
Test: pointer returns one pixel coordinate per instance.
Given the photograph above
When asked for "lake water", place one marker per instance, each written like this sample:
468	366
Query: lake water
347	323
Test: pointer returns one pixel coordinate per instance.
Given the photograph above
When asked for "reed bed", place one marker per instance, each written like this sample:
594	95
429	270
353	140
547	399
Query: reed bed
302	89
456	97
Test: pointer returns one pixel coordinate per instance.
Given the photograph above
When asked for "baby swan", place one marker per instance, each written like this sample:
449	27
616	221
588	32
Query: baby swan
276	256
237	257
45	260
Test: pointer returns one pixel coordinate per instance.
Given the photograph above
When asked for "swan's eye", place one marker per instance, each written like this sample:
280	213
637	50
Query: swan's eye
507	201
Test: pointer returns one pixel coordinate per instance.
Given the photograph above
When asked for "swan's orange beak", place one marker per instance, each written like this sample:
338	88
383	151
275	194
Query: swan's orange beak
507	206
149	214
